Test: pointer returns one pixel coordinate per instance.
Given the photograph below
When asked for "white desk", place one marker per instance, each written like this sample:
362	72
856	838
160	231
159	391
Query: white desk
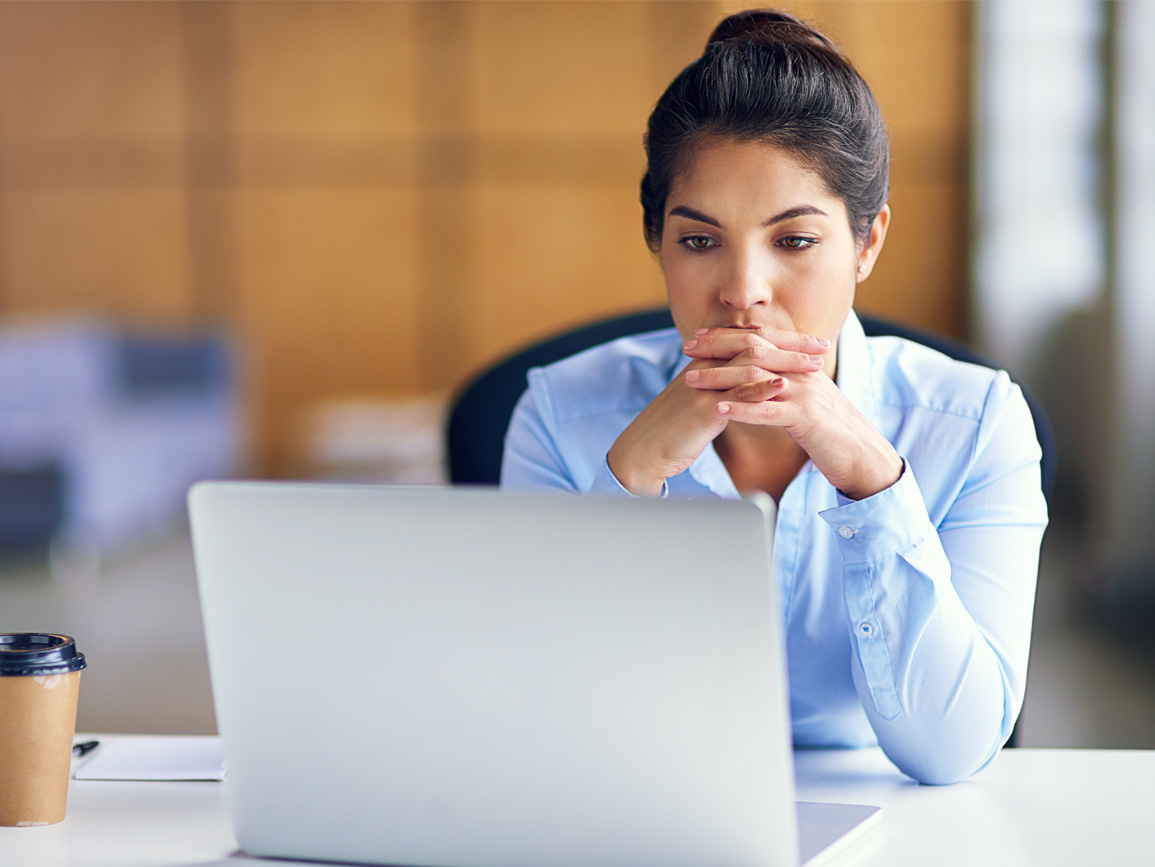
1031	807
1050	808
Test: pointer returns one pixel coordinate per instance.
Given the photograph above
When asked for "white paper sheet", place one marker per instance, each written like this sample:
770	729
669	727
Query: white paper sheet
156	757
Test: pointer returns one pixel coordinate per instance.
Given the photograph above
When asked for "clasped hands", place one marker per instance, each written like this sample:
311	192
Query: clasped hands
755	377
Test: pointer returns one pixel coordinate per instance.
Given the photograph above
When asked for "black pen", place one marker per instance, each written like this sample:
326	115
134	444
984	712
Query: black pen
82	749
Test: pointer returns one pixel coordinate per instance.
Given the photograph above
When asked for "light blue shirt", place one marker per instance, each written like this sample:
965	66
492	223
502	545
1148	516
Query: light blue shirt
908	614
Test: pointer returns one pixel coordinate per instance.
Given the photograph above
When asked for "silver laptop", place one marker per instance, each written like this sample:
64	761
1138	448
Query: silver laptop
471	678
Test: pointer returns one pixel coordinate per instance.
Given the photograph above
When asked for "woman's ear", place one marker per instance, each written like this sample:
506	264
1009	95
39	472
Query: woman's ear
868	255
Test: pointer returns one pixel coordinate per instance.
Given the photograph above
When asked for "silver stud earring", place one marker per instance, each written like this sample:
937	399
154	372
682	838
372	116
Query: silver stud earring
861	269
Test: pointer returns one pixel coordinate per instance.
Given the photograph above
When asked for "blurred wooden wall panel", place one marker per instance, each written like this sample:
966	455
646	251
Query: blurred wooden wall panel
382	196
118	252
92	184
329	279
445	169
919	55
678	32
329	300
923	289
335	70
562	67
559	101
558	238
324	136
97	70
916	58
550	256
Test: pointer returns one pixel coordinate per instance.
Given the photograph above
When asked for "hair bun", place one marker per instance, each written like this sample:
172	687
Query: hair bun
769	26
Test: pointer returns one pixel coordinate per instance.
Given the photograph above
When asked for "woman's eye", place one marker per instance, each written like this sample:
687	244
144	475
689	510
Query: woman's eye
697	243
796	243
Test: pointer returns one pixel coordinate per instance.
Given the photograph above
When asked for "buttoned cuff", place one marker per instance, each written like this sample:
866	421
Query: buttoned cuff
873	535
880	525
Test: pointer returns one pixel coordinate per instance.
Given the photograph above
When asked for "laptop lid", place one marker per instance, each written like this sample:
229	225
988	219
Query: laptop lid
490	679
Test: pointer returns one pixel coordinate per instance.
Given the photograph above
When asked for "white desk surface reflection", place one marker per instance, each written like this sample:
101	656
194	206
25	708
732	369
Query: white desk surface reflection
1031	807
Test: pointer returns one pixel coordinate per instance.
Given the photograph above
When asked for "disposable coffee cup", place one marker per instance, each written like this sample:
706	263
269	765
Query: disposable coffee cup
39	685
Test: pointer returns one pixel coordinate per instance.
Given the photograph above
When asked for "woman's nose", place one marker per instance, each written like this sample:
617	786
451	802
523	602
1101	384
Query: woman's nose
747	285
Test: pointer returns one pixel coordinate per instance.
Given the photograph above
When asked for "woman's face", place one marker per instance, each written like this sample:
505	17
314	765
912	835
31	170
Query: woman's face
752	238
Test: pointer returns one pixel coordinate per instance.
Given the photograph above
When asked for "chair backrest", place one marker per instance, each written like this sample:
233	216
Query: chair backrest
480	412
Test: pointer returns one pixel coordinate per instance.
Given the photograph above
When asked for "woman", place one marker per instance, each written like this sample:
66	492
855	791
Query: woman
910	511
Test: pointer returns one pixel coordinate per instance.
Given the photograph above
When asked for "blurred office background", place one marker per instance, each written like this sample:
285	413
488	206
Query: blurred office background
271	239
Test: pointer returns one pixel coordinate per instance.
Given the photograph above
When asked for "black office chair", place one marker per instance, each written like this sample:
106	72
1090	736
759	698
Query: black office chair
481	410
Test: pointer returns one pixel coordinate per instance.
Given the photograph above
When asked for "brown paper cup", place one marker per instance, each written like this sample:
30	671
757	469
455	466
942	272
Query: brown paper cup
37	722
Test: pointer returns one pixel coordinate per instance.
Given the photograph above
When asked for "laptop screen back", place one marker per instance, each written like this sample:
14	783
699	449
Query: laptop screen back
475	678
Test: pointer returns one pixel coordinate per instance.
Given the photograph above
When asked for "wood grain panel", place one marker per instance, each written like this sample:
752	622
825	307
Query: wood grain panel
562	67
385	195
320	68
209	64
446	164
350	162
915	56
678	34
91	69
328	300
122	252
552	256
91	162
561	159
923	267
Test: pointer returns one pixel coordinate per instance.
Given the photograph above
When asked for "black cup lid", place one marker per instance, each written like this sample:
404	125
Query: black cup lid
38	653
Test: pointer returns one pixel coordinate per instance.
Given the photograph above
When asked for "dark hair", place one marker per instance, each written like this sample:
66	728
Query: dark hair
766	76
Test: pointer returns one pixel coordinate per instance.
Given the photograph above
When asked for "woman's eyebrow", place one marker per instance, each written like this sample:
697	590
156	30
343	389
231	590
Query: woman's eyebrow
690	213
800	211
790	214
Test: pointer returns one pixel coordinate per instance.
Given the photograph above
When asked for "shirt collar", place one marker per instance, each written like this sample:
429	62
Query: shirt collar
854	377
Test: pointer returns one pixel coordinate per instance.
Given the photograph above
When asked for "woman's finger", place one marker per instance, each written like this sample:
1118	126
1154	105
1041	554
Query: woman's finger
765	412
756	392
729	376
753	348
789	341
764	355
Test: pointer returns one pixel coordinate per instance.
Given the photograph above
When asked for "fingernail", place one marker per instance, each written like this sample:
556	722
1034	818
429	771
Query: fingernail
723	408
774	383
689	345
700	332
692	376
822	341
817	359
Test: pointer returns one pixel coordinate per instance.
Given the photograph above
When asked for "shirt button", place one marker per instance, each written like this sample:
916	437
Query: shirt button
845	532
866	629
